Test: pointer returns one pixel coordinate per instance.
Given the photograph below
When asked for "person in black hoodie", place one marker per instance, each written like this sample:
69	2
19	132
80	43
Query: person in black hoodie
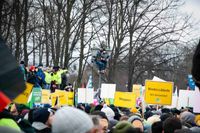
42	119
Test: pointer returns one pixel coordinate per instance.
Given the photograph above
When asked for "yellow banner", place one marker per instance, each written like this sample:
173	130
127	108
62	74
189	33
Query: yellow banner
53	99
23	97
157	92
137	90
64	98
70	98
124	99
45	96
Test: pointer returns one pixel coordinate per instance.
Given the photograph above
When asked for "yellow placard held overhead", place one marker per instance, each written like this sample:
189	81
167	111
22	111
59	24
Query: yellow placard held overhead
45	96
137	90
23	97
70	98
158	92
124	99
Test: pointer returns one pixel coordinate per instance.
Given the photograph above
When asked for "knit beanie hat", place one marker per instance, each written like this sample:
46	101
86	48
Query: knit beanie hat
153	119
41	115
71	120
134	110
108	111
6	122
122	127
133	118
187	117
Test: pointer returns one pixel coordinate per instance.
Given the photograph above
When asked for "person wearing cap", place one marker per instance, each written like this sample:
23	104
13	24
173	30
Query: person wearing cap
72	120
42	120
136	121
23	69
40	76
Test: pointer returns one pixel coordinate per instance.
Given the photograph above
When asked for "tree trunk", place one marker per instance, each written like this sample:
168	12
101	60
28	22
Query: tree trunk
25	33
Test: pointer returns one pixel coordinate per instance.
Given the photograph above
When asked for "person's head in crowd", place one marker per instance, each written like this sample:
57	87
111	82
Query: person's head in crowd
157	127
108	111
98	107
164	116
124	118
124	127
72	120
153	119
136	121
117	114
148	114
196	66
171	124
103	120
97	127
32	69
81	107
133	110
184	130
56	69
22	63
187	119
197	120
42	119
165	110
176	112
40	66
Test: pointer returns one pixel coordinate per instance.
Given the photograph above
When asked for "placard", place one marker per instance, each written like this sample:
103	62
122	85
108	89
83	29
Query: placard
124	99
158	92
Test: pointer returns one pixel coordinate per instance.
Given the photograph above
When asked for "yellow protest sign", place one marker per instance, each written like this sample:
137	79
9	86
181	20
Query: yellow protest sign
70	98
45	96
53	99
158	92
137	90
23	97
124	99
62	97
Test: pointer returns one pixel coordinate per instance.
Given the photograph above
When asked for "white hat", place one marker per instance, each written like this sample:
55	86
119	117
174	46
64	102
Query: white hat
108	111
71	120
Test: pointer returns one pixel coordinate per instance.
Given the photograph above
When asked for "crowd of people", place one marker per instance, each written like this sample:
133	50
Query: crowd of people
46	78
102	118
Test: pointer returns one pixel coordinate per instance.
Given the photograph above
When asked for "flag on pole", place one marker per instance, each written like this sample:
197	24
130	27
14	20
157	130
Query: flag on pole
89	83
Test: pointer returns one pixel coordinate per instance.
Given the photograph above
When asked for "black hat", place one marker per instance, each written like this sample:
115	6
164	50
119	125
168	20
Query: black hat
196	66
41	115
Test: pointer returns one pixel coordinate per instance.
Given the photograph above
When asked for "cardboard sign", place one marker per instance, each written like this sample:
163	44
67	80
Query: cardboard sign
85	95
158	92
137	90
108	90
186	98
23	97
124	99
45	96
196	100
